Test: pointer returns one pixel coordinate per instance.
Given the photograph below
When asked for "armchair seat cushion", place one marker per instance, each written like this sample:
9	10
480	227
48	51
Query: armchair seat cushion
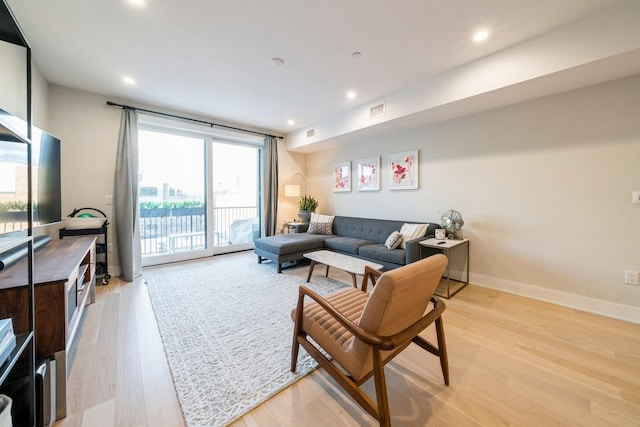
348	245
331	335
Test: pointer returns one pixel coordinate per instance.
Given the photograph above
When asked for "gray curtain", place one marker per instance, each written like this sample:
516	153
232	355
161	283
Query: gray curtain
125	198
270	199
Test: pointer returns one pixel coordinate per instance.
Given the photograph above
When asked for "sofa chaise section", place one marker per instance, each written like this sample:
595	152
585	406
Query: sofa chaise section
283	248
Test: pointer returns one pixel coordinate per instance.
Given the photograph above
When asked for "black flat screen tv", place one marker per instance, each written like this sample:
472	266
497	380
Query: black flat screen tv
14	183
45	178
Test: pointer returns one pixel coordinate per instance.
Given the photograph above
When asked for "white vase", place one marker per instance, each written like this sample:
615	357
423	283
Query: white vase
5	411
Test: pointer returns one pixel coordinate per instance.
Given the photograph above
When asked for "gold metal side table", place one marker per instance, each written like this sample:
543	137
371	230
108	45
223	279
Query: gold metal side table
445	246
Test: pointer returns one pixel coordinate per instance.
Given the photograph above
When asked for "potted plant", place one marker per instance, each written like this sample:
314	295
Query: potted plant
307	205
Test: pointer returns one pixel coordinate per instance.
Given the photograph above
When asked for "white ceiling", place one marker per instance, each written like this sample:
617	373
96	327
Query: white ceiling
212	58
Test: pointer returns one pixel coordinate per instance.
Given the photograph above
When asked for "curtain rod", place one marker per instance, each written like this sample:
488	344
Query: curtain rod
159	113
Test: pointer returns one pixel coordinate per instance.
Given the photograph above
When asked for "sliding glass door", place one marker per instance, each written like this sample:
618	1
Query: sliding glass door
198	196
172	192
235	183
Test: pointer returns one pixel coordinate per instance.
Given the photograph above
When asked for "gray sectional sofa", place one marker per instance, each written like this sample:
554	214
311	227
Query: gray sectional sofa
360	237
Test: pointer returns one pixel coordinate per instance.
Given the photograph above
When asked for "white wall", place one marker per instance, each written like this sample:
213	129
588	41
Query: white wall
13	84
544	188
88	131
39	99
289	164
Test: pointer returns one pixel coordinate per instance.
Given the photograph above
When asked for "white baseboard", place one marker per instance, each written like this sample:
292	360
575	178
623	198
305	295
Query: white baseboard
626	313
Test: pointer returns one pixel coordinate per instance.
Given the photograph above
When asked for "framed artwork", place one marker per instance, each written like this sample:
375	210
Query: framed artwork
342	176
403	170
369	174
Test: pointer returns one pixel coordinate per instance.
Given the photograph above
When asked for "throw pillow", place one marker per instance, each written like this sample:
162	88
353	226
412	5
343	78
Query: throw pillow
320	228
412	231
321	218
394	240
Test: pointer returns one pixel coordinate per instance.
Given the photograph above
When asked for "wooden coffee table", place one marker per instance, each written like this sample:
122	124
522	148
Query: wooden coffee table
350	264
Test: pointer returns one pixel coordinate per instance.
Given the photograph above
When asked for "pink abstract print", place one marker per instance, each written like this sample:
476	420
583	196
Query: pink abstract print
342	177
341	180
369	174
403	171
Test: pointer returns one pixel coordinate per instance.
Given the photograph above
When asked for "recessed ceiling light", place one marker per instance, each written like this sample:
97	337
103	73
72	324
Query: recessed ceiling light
137	2
128	80
291	122
480	36
277	62
351	95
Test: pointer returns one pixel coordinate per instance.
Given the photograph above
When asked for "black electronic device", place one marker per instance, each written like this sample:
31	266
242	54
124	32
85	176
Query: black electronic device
45	170
46	188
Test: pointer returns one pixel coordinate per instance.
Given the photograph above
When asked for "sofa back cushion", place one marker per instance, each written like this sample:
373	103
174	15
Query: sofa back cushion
373	230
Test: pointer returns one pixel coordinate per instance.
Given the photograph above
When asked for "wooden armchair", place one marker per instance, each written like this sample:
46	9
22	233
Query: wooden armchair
362	333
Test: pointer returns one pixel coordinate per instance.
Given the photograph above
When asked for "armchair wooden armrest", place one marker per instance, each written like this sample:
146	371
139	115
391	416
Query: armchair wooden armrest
370	273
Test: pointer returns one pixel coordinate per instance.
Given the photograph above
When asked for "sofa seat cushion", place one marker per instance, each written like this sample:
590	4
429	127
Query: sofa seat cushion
348	245
380	252
283	244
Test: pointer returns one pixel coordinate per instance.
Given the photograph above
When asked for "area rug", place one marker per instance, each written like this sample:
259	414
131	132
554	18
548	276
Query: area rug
226	328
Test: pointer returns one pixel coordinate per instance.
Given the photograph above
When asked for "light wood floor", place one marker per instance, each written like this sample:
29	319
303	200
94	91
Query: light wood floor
513	361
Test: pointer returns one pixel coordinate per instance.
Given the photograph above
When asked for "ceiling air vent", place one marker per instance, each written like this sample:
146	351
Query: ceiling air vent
377	110
311	133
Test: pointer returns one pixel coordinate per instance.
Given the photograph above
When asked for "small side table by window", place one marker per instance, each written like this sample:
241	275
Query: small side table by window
296	227
446	246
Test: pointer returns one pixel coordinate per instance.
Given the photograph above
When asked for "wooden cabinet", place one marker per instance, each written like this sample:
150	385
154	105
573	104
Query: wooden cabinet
64	278
65	282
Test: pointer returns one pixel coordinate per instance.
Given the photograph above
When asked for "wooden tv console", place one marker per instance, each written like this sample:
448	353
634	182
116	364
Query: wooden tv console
64	278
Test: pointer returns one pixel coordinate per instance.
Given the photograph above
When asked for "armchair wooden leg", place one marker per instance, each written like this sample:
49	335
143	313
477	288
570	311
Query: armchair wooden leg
381	390
442	347
440	351
296	331
345	382
294	352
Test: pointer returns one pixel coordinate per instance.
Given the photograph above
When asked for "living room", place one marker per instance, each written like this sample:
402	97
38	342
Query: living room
541	163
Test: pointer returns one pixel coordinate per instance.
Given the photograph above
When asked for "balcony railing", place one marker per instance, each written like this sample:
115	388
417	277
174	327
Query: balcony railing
170	230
